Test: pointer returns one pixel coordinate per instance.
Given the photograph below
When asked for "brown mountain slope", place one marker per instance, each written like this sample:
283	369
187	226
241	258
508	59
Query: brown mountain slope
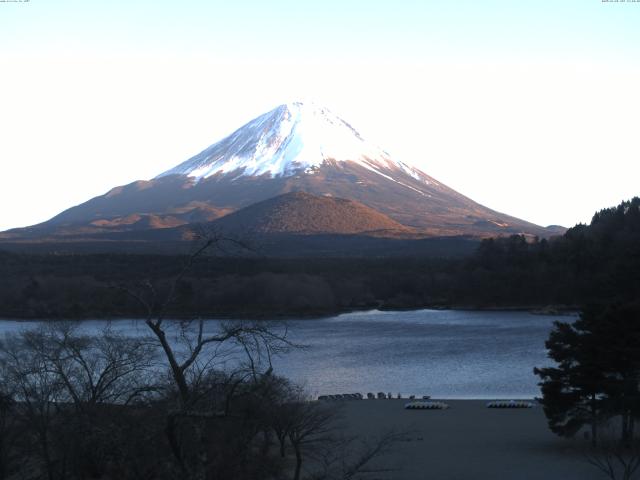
432	209
303	213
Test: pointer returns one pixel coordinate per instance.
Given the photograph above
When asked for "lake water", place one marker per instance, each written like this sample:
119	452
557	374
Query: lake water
442	353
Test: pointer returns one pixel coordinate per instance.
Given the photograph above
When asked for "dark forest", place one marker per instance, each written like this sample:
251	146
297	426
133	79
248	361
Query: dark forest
588	264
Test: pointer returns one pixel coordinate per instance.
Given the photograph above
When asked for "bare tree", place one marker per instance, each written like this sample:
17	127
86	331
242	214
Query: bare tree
66	386
280	419
259	340
8	432
190	351
316	435
311	424
350	457
108	368
38	394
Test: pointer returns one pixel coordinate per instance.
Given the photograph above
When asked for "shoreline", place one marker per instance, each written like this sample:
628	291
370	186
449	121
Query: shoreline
523	398
550	310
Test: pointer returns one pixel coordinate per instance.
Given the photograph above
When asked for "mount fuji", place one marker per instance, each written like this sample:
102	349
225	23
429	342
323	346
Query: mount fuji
293	138
297	147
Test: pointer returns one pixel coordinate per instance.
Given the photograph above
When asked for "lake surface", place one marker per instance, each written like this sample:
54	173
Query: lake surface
442	353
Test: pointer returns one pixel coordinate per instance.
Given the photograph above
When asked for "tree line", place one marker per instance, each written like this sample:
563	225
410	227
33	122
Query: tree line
587	263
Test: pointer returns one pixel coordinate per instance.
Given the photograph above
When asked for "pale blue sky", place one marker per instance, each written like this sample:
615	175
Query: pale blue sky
329	29
528	107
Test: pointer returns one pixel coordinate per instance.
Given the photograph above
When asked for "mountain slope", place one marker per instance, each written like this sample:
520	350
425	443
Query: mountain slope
303	213
295	147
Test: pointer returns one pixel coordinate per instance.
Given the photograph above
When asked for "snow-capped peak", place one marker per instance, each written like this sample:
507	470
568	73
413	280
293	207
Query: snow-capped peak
290	138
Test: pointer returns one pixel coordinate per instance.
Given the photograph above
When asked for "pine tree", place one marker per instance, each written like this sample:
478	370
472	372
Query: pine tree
572	392
598	371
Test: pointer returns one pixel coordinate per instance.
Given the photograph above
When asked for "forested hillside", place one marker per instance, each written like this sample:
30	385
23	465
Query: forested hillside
590	263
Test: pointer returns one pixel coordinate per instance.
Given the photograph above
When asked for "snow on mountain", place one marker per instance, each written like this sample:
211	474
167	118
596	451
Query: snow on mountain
297	147
291	138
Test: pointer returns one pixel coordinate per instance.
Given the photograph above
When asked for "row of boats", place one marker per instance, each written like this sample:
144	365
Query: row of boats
370	396
443	406
423	404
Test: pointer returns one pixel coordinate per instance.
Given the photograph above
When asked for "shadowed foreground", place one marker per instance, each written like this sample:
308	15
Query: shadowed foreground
470	441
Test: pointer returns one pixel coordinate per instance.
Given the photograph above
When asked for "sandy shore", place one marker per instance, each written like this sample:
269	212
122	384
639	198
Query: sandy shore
469	441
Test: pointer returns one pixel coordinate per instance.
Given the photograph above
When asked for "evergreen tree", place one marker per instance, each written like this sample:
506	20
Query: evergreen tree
616	330
598	371
572	393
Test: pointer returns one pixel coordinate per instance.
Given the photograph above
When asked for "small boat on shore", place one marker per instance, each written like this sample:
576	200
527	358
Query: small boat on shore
510	404
421	405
